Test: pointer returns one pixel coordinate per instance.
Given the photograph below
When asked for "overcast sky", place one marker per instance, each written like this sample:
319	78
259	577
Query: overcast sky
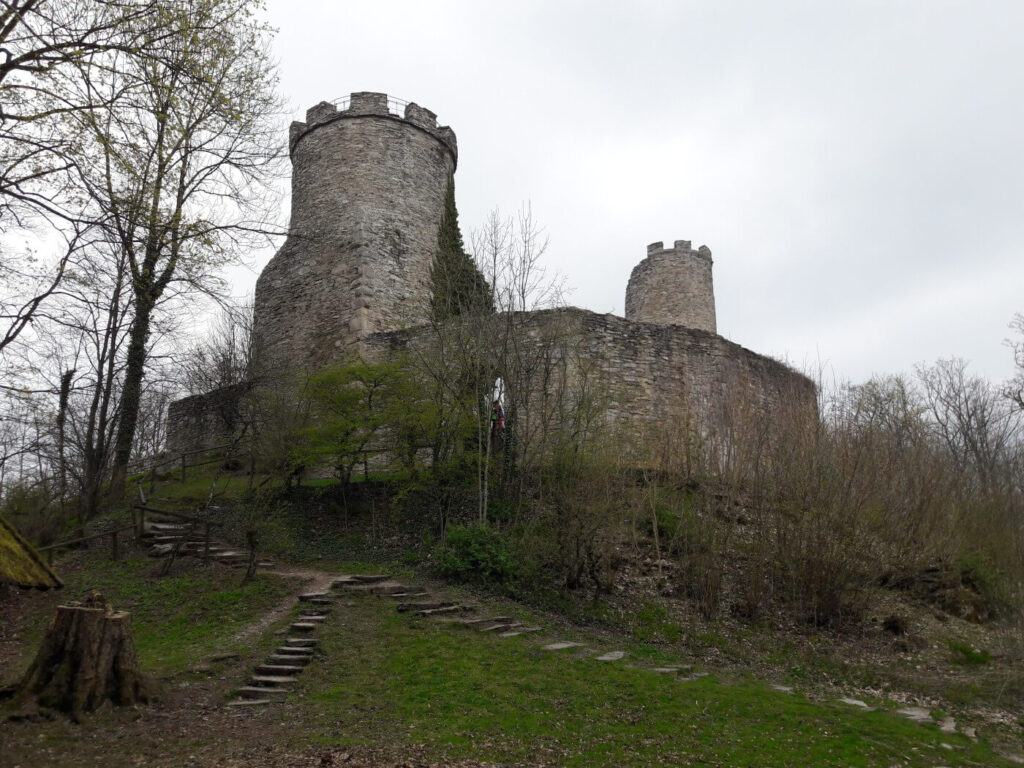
855	167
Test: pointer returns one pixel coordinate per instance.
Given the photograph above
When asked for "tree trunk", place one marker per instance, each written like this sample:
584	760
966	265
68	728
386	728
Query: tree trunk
135	370
86	658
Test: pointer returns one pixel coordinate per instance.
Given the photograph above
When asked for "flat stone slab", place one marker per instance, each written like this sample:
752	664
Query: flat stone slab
917	714
300	642
611	656
444	610
254	692
304	626
366	578
666	670
314	617
477	622
248	703
517	632
292	650
286	660
501	627
781	688
278	669
311	596
272	680
408	595
854	702
426	606
948	725
695	676
562	645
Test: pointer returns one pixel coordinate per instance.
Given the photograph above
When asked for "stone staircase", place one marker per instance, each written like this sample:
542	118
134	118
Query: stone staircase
163	534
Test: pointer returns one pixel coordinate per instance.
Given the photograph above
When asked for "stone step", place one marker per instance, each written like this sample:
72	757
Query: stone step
287	660
478	622
562	645
309	597
312	617
300	642
611	656
501	627
271	681
257	692
446	609
429	606
382	588
304	626
517	632
155	527
289	650
368	578
408	595
278	669
248	703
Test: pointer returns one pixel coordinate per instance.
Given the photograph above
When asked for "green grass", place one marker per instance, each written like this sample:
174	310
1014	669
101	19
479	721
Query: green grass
177	619
396	680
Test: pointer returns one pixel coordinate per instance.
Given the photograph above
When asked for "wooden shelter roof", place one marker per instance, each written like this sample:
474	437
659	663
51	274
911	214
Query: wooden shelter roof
20	564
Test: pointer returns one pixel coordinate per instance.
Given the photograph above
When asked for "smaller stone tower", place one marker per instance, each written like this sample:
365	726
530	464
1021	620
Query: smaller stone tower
673	286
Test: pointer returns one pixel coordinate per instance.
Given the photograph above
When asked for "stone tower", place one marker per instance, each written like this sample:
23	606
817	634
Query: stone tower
672	286
368	193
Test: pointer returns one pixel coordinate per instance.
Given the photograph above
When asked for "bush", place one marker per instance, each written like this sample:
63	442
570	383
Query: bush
477	552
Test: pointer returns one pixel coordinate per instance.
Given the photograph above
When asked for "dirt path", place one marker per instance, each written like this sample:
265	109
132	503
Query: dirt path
314	581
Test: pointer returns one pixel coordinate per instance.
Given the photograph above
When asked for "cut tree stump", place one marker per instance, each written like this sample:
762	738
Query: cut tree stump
86	658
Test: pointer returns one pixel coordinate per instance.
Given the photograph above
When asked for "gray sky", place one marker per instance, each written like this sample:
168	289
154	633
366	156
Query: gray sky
855	167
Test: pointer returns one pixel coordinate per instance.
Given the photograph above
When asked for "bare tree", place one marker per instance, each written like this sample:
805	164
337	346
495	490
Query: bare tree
222	358
1015	387
972	419
178	164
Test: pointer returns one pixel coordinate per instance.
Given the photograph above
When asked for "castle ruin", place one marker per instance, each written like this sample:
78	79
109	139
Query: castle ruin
369	181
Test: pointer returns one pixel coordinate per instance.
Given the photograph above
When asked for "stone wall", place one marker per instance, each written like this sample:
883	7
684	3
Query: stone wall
368	191
673	286
205	421
639	376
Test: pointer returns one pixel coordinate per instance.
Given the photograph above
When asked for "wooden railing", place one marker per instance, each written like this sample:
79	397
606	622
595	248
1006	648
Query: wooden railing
115	553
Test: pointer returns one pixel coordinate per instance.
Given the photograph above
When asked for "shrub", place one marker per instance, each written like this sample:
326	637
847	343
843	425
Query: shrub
477	552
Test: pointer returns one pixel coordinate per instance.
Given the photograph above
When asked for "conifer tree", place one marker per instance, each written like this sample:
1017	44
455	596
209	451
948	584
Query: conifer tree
457	285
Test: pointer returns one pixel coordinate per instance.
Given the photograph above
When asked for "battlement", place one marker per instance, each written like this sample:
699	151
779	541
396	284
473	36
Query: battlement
370	104
679	246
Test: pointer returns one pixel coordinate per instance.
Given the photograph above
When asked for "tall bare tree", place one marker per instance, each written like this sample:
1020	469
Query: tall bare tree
179	163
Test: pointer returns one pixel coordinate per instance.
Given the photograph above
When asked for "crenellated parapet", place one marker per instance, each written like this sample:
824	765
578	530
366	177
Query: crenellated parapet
673	286
369	104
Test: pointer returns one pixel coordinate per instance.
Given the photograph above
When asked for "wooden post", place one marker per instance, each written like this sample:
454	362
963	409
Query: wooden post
206	543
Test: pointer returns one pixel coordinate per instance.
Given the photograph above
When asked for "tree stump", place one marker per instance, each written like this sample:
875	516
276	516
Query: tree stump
87	657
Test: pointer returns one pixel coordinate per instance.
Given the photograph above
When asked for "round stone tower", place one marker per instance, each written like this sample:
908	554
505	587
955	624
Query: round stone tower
369	178
672	286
